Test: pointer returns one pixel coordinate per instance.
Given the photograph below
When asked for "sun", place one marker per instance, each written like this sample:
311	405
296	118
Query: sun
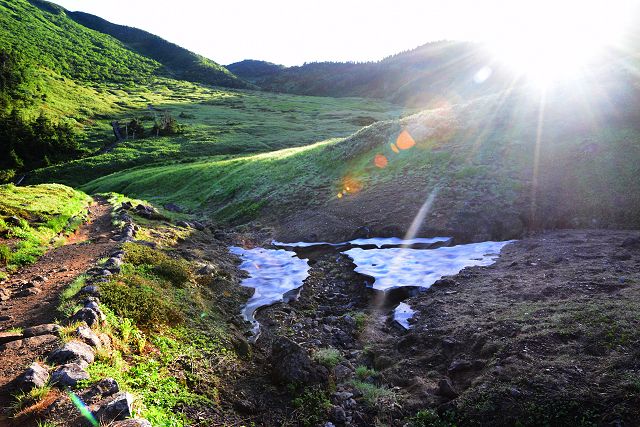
551	41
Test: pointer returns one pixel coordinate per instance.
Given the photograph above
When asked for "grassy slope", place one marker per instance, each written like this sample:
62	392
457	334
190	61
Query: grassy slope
30	217
483	148
180	62
218	122
47	36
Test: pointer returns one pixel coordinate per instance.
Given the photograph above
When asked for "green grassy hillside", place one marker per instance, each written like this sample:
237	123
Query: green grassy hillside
43	33
482	156
30	217
217	123
178	61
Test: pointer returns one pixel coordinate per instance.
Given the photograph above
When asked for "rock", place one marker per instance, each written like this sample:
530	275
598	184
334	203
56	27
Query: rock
446	389
87	315
105	340
241	345
622	255
90	290
382	362
13	221
198	225
40	279
127	205
5	318
35	376
349	321
69	375
631	242
337	415
183	224
341	372
86	335
104	388
363	232
114	408
49	328
32	342
132	422
459	366
292	364
73	351
172	207
6	337
27	292
245	406
342	396
5	294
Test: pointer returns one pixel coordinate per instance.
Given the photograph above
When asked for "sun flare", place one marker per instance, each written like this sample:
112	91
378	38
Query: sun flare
547	42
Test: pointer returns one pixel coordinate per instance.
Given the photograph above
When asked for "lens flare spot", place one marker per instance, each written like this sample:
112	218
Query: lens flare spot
405	140
350	185
380	161
340	195
394	147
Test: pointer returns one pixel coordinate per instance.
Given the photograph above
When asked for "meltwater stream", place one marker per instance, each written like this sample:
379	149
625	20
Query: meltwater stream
391	262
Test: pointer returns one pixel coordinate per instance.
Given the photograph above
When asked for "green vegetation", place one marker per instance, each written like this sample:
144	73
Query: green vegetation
179	62
372	394
311	406
362	372
35	395
32	217
68	305
328	357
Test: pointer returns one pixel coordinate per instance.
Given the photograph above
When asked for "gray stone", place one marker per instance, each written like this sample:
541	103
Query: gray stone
86	335
292	364
114	408
35	376
27	292
6	337
49	328
341	396
73	351
89	316
90	290
69	375
446	389
337	415
341	372
104	388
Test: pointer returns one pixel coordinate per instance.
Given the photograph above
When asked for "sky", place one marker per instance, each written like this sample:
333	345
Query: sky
292	32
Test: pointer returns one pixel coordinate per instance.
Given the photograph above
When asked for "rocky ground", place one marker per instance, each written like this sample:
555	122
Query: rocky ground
30	297
548	335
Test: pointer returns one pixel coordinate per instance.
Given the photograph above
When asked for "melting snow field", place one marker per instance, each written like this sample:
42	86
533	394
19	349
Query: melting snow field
272	274
397	267
402	314
375	241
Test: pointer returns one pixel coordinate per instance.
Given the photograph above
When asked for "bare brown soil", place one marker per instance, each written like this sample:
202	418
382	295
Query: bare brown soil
50	275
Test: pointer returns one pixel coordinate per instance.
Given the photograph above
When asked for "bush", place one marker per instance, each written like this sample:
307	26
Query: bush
328	357
362	372
173	270
137	298
5	254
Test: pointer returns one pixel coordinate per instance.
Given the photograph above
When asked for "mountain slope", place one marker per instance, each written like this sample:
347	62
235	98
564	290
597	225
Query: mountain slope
179	62
434	70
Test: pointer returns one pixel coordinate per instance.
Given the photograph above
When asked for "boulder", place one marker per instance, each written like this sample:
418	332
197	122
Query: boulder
49	328
6	337
337	415
86	335
292	364
73	351
35	376
87	315
114	408
69	375
446	389
104	388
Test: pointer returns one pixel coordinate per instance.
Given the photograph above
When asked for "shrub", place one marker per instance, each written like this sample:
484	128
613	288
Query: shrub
362	372
5	254
137	298
371	393
311	407
329	357
173	270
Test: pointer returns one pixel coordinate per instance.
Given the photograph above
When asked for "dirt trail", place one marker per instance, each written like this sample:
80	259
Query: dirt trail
41	285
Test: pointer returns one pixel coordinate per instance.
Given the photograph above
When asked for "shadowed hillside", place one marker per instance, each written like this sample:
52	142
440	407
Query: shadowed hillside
178	61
